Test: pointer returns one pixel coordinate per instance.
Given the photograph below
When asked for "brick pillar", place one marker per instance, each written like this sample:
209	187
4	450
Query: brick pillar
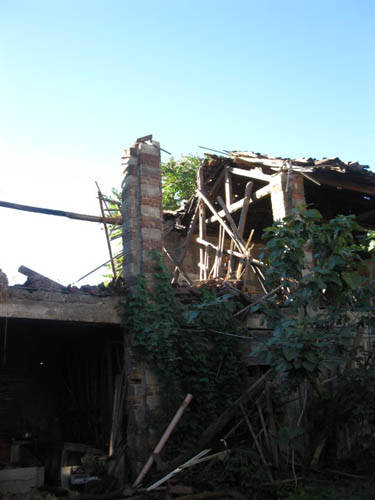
142	398
141	208
287	194
142	232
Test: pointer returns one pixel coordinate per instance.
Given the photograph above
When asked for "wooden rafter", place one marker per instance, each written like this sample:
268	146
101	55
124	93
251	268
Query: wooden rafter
236	235
179	266
260	161
252	261
220	219
252	174
61	213
258	195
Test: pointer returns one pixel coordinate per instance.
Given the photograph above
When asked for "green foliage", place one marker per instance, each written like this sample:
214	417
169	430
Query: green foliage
319	318
178	185
179	180
323	308
115	231
176	341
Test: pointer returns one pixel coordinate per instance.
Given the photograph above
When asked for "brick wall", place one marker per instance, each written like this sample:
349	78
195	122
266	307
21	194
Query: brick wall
141	208
142	232
287	193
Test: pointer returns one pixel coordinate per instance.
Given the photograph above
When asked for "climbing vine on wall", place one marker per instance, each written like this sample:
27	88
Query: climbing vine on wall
179	342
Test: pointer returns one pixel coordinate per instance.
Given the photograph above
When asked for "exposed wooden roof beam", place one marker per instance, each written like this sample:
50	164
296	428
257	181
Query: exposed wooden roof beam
260	161
252	174
61	213
343	182
258	195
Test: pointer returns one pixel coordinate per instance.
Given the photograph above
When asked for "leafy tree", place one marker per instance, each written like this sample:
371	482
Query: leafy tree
179	180
178	185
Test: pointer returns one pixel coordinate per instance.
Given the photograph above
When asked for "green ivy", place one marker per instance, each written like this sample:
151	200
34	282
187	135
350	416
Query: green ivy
178	343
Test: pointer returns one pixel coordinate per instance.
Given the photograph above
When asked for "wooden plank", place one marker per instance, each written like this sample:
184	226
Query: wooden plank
241	225
100	197
61	213
39	279
115	405
245	207
216	427
258	195
185	245
220	219
206	243
145	138
228	187
260	161
179	267
229	201
222	244
252	174
215	268
202	226
247	247
232	224
260	278
255	262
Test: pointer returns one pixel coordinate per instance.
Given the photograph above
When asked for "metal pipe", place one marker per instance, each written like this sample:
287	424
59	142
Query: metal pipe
163	440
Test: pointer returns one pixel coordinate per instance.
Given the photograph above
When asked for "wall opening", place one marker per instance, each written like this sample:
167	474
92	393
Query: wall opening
56	386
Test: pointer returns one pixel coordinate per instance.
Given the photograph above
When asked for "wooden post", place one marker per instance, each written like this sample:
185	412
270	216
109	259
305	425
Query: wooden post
219	252
228	202
237	237
100	198
228	188
186	244
222	222
178	266
241	225
202	227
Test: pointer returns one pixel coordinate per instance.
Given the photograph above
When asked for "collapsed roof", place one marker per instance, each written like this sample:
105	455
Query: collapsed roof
331	185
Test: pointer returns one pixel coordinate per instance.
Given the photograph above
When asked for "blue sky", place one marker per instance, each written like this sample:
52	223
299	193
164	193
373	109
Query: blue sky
81	80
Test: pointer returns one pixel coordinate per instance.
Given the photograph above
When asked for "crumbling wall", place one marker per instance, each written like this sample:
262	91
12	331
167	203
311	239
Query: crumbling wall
287	193
141	208
142	232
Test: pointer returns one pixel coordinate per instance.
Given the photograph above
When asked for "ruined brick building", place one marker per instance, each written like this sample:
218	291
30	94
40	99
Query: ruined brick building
63	350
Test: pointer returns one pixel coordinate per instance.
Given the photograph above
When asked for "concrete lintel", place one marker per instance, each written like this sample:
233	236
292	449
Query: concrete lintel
60	307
